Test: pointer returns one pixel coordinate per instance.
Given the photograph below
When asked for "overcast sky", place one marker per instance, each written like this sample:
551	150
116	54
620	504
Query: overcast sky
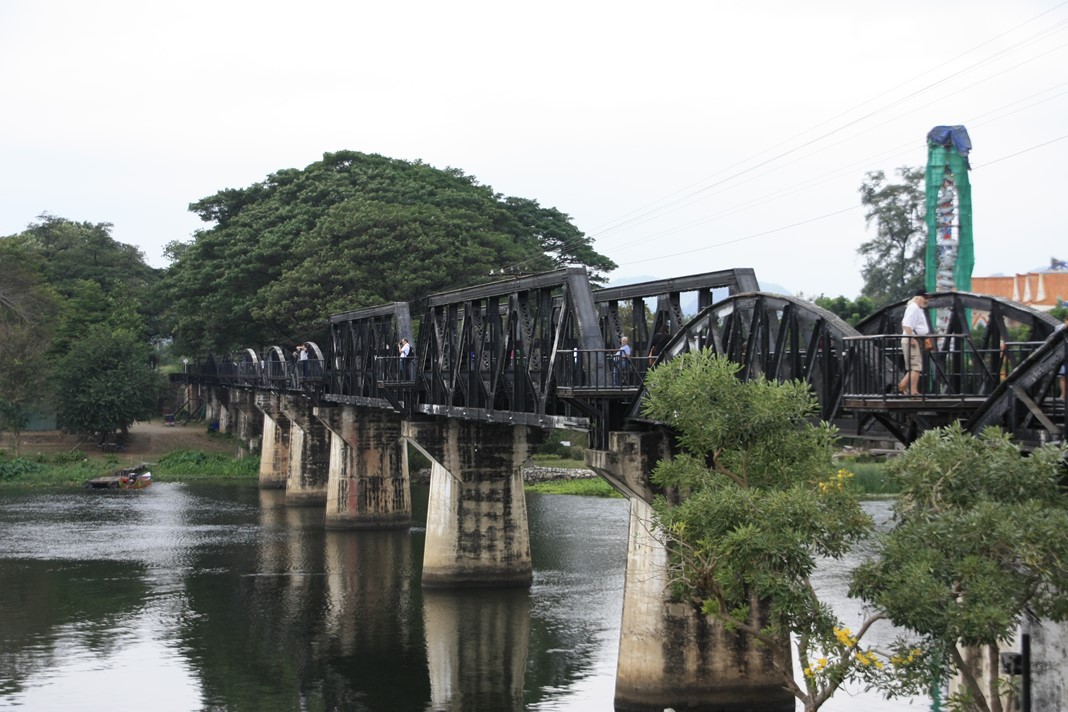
684	137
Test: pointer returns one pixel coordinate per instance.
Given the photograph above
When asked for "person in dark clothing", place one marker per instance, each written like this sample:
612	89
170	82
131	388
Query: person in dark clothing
660	341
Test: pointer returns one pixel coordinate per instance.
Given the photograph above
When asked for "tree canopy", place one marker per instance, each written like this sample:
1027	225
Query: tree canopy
850	310
754	501
762	503
978	544
28	308
63	284
106	382
895	259
350	231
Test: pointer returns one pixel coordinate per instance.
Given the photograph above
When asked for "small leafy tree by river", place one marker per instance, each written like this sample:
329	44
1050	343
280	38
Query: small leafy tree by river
106	382
980	542
763	503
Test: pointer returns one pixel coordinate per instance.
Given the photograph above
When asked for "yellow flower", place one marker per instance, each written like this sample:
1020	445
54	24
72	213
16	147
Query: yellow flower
845	636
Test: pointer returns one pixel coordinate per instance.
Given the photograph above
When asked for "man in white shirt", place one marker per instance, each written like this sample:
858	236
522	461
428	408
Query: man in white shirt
621	362
913	327
405	351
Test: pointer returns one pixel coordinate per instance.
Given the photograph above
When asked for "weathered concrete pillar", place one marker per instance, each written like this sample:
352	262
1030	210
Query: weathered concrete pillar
1048	643
215	407
476	530
225	412
1049	666
367	484
670	654
274	455
249	427
468	633
309	453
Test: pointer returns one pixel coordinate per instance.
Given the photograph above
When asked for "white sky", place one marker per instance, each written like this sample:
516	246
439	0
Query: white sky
683	137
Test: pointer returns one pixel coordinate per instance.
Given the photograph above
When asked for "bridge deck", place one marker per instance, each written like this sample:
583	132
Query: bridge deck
922	402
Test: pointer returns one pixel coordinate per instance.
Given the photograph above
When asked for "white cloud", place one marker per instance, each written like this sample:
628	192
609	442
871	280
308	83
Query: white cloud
767	116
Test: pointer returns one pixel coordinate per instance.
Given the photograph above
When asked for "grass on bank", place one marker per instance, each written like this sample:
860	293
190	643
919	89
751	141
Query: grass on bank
179	465
586	487
74	468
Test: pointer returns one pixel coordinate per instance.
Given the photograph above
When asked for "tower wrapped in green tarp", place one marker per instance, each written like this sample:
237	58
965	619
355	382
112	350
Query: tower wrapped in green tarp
950	251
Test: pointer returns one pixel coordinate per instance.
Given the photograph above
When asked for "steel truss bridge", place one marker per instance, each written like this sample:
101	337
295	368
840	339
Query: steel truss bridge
541	350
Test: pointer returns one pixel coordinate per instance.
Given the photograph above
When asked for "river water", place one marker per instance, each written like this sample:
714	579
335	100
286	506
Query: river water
212	597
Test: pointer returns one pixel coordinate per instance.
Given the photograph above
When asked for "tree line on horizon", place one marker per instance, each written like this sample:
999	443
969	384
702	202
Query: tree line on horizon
277	258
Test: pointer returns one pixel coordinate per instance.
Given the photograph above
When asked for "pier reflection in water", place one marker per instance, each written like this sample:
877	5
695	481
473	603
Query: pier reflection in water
208	597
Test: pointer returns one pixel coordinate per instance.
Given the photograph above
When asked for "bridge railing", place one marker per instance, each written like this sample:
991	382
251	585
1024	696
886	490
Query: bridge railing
955	366
599	370
394	370
271	375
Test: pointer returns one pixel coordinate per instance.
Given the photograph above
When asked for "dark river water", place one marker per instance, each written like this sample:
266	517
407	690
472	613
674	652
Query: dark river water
206	597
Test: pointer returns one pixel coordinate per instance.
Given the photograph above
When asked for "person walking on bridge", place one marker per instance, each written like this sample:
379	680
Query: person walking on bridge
621	362
405	351
660	340
913	329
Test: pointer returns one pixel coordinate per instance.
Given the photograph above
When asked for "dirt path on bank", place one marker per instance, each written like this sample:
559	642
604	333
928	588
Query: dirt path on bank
146	442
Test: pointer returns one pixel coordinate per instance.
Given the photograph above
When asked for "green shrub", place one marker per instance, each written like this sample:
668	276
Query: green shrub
587	487
18	468
196	463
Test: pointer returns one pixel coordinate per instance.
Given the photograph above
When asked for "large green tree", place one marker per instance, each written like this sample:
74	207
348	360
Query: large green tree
107	381
28	309
350	231
63	286
979	544
759	502
850	310
895	259
99	279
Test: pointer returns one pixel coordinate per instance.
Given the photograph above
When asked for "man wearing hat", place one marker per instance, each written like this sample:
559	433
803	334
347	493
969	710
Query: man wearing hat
913	327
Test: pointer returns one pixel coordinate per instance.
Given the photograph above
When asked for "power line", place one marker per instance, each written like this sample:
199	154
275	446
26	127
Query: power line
691	197
824	216
930	86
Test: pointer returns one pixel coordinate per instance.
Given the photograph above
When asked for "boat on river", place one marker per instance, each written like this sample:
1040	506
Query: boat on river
134	477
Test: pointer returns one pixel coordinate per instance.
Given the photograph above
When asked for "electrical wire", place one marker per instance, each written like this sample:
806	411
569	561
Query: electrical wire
643	217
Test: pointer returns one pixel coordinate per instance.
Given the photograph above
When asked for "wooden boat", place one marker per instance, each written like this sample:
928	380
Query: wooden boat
135	477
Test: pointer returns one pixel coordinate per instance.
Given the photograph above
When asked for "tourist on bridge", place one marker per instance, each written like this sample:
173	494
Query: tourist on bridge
913	329
405	351
660	341
620	362
303	356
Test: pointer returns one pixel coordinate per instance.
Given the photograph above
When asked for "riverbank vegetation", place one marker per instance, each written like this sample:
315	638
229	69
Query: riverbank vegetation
72	469
975	547
181	465
584	487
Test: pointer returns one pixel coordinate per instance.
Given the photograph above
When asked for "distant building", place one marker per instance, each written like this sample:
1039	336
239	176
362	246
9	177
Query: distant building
1039	290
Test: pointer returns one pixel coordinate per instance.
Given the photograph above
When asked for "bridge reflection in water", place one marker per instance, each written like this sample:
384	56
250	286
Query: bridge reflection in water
496	366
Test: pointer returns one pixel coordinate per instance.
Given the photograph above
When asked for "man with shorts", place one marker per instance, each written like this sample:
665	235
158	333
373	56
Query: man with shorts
913	328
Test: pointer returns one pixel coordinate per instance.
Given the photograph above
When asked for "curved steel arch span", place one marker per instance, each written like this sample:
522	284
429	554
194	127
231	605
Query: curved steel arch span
771	335
1004	317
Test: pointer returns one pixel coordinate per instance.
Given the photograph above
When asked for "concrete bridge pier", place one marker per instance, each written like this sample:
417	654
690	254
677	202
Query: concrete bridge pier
274	455
476	532
217	408
367	482
309	453
249	421
670	654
